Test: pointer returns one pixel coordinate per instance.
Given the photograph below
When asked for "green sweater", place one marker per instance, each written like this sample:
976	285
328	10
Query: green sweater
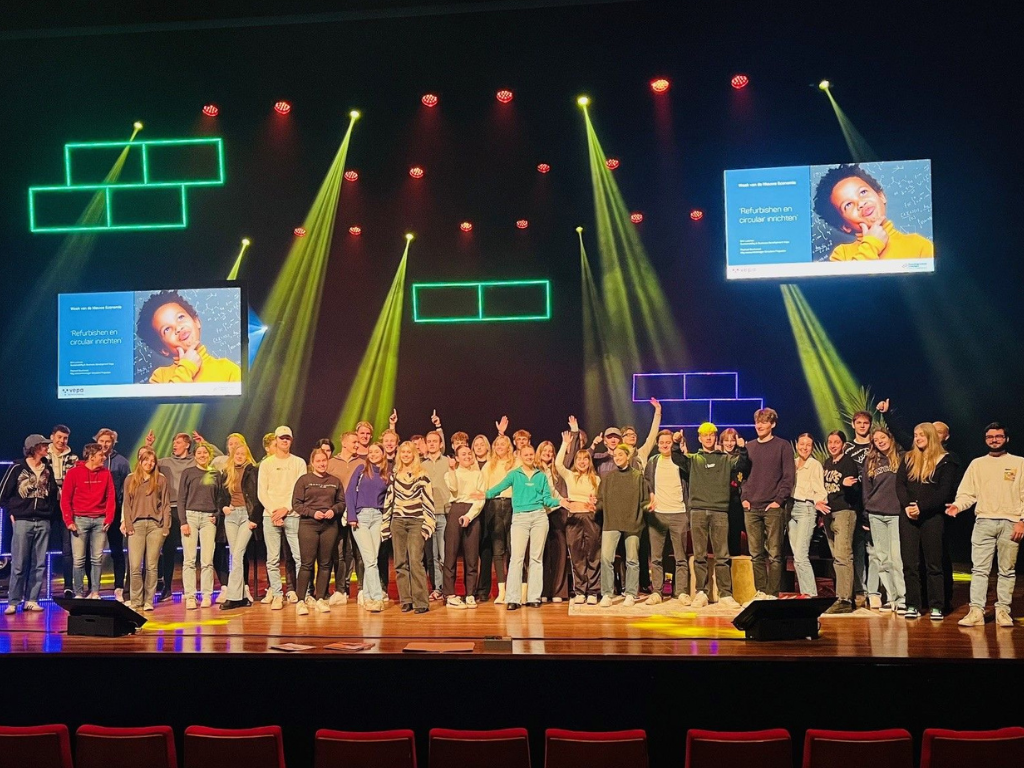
710	475
623	498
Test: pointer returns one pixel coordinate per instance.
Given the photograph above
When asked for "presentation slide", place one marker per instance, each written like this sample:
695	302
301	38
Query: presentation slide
821	220
164	343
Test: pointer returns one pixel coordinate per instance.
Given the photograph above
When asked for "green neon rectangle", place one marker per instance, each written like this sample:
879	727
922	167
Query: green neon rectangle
111	225
481	315
144	148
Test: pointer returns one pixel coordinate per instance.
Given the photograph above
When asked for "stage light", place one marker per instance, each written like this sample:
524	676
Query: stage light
636	217
466	226
659	85
137	125
211	110
409	236
543	168
299	231
696	214
355	230
355	114
583	101
611	163
522	224
416	172
504	96
824	85
740	81
351	175
429	100
246	241
282	107
579	230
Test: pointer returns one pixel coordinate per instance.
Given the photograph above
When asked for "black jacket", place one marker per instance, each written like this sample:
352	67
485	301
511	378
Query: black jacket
25	496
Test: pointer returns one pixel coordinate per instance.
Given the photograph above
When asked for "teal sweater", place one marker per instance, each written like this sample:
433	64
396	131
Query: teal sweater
528	493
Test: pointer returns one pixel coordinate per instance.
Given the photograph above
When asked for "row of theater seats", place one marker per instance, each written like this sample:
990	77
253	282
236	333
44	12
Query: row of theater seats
49	746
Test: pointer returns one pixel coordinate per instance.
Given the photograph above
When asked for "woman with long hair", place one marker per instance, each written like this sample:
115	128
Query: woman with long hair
319	498
364	500
582	531
925	484
199	506
481	451
737	521
497	519
882	506
409	522
841	476
808	499
556	560
146	521
243	514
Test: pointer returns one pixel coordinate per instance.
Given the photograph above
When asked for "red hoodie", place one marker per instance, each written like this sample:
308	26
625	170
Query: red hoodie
88	493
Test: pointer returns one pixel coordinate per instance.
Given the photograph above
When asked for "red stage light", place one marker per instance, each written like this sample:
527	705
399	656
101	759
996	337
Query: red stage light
611	163
355	230
299	232
211	110
740	81
522	224
466	226
504	96
429	100
416	172
543	167
660	85
636	218
351	175
696	214
282	107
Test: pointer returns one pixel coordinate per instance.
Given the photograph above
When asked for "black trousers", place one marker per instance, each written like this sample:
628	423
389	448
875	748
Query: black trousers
583	536
921	540
169	553
467	540
59	532
384	563
115	540
345	561
494	547
556	556
318	541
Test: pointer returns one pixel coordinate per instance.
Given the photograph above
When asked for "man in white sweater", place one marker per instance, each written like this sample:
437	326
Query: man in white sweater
277	477
995	484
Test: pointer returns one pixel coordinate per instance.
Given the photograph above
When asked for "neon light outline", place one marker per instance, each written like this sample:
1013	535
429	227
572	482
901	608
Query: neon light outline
481	316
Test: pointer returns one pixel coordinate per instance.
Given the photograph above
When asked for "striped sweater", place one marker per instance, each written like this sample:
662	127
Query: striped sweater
409	496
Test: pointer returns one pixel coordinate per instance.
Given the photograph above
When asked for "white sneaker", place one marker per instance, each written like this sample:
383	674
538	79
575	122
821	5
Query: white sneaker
543	600
323	606
700	600
222	597
373	606
1003	617
685	599
190	604
556	599
728	602
875	602
119	595
591	599
207	602
470	601
94	596
10	610
338	598
267	599
974	618
277	603
629	601
147	607
654	599
32	605
455	602
386	598
606	601
579	599
292	597
246	593
360	599
301	609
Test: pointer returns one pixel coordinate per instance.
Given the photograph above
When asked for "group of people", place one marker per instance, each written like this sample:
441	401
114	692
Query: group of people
554	517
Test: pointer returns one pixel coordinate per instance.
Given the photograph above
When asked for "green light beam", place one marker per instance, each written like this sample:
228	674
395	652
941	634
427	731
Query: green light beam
859	148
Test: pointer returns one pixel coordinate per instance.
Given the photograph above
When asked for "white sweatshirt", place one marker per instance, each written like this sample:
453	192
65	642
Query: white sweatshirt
277	479
462	484
996	485
810	481
579	487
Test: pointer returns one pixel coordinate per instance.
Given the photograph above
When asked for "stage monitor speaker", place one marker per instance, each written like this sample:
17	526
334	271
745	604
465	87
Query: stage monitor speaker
100	618
787	619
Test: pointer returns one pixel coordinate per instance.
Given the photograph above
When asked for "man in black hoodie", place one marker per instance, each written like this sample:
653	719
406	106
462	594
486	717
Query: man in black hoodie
29	495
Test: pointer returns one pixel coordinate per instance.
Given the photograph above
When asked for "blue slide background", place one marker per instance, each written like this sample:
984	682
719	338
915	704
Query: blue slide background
782	242
112	315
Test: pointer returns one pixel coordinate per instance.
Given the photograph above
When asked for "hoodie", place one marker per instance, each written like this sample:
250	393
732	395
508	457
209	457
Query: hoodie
88	493
119	471
24	495
171	468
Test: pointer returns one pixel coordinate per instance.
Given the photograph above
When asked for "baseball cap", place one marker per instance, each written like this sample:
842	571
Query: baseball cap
33	440
283	431
612	431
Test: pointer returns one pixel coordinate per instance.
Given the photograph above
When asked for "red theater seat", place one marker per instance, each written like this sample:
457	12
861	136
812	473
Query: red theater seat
892	748
99	747
373	749
244	747
35	746
505	748
610	749
771	748
952	749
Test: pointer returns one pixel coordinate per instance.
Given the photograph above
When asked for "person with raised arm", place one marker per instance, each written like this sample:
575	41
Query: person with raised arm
865	567
583	532
667	520
882	505
556	551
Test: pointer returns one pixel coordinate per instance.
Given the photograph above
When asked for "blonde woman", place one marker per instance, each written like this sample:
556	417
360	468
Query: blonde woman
199	497
409	522
582	531
925	484
243	513
556	559
497	519
364	502
481	451
146	521
809	498
882	505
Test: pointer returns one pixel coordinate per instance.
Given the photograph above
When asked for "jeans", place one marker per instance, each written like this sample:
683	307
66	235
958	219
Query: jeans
88	542
144	545
923	537
670	525
801	529
885	533
367	536
60	533
28	559
274	535
993	537
865	569
609	543
236	526
527	529
437	545
765	535
705	523
839	530
407	535
202	534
